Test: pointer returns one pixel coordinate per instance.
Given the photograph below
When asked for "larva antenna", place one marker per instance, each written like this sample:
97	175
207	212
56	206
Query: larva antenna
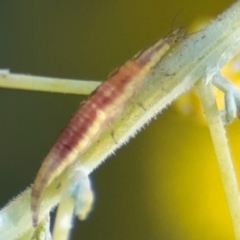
174	19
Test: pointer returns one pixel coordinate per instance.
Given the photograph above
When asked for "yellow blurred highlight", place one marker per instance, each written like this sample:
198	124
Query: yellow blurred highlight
183	187
190	106
186	187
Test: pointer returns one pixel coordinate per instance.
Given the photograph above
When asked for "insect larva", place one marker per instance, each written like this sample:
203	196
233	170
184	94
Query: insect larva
103	106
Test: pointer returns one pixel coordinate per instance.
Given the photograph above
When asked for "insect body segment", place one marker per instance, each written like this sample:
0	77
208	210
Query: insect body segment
104	105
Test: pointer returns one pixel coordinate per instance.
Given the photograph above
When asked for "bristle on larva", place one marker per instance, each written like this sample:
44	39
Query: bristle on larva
104	105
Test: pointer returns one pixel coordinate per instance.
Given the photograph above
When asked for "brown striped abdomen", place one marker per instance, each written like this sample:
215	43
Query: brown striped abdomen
92	118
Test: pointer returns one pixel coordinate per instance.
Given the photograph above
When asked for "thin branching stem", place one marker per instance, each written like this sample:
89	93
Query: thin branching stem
46	84
220	143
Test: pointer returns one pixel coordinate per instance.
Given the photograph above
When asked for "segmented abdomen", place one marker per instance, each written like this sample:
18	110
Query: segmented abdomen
103	106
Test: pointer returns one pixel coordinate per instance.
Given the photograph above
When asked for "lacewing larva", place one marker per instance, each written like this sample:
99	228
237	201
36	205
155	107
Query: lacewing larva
103	106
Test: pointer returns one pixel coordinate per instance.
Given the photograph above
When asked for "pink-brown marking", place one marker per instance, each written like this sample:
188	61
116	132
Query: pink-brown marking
104	105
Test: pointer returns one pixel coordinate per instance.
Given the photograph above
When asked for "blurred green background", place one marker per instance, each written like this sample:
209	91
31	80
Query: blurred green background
165	183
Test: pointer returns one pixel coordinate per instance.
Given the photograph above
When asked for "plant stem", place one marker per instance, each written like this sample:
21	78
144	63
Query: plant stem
46	84
225	162
64	219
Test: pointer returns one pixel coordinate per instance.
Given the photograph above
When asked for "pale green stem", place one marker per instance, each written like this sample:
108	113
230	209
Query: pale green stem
65	211
46	84
225	162
179	71
64	219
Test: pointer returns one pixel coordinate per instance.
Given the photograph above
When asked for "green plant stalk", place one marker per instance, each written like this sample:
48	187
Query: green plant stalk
46	84
225	162
179	71
64	219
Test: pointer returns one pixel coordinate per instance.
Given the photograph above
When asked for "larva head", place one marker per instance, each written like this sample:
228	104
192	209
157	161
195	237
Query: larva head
152	55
